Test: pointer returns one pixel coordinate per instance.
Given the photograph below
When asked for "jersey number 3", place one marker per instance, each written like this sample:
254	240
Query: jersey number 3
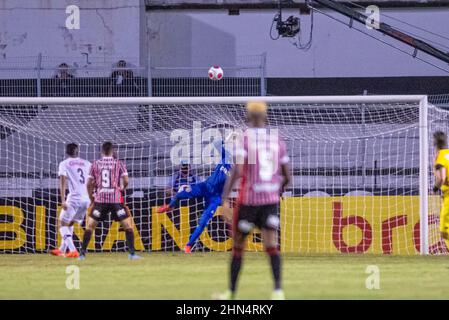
81	173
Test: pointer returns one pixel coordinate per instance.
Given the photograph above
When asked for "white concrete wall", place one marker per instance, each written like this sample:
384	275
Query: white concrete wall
191	38
109	29
112	29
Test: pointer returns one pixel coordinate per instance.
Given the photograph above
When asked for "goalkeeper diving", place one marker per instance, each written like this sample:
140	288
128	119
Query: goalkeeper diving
210	189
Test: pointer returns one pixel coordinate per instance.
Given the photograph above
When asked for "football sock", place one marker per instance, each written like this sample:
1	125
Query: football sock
236	263
86	240
275	261
66	234
71	244
173	202
200	228
130	240
63	246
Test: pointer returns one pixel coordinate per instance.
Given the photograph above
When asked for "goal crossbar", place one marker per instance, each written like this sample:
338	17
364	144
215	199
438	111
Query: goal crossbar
207	100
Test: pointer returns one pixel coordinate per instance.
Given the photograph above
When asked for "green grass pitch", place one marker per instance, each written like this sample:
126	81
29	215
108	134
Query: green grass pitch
199	275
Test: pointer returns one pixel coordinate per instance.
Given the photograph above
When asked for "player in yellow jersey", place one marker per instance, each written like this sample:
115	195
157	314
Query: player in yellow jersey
440	170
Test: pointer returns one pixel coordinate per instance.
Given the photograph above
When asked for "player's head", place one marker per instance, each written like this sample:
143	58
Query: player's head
440	139
72	150
184	168
107	149
256	112
63	66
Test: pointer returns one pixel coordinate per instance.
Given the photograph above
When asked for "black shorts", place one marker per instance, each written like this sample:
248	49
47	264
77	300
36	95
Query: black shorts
100	211
263	217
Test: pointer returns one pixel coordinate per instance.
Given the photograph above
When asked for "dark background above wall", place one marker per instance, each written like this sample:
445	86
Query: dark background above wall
357	86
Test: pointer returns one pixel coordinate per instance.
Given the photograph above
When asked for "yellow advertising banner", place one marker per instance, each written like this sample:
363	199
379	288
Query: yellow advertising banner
347	224
355	224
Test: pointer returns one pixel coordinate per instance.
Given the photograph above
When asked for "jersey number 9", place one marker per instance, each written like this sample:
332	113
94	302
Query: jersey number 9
105	178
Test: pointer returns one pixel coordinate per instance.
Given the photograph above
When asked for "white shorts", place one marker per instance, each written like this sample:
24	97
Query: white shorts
76	211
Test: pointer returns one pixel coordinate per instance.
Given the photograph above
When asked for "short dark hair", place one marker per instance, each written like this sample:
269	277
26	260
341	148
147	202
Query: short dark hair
440	139
107	148
71	149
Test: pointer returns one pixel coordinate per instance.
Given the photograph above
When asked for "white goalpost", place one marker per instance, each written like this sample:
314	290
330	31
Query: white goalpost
361	170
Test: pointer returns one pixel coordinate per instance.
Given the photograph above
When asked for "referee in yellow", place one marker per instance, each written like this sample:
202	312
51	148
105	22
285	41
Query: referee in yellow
441	168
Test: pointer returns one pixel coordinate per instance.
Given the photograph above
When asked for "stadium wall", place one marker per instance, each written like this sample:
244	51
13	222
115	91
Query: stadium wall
108	29
191	37
188	38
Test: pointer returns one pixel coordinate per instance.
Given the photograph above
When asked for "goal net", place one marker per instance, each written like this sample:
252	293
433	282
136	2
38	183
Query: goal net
361	170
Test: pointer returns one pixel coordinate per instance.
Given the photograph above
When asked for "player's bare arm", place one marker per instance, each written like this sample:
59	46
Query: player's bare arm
235	175
90	185
285	172
440	177
125	181
62	188
127	223
90	188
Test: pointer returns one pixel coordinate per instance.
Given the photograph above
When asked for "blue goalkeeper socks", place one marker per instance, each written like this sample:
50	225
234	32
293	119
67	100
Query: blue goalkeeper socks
200	228
173	202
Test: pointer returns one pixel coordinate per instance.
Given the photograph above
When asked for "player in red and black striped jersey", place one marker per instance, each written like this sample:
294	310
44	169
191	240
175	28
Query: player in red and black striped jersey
262	166
105	178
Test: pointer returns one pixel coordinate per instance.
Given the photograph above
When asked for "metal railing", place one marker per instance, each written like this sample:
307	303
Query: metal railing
85	76
245	78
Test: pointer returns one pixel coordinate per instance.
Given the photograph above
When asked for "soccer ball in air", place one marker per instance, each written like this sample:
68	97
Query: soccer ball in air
215	73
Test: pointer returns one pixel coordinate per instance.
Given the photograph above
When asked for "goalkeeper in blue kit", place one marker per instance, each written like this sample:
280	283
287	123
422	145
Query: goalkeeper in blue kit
210	189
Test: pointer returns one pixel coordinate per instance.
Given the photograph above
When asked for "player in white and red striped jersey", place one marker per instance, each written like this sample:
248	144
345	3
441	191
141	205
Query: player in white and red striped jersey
262	166
105	178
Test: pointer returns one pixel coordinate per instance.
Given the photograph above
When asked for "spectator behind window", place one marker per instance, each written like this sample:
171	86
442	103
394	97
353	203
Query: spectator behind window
121	73
123	82
63	85
63	72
